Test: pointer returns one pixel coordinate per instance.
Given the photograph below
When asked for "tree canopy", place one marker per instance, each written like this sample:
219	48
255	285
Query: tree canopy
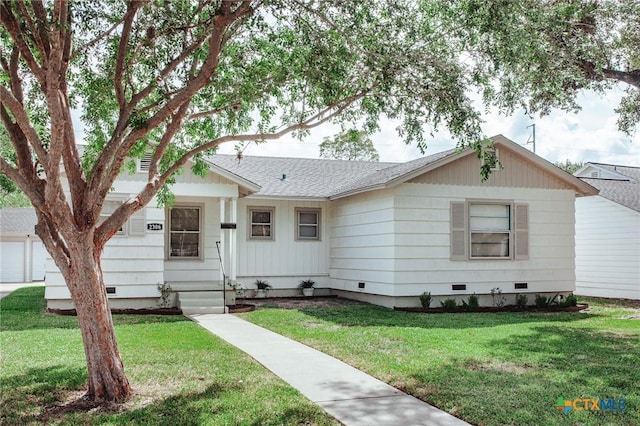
349	145
541	53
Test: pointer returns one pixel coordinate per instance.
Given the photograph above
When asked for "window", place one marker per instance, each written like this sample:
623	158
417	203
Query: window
307	224
185	236
108	208
490	230
491	156
261	223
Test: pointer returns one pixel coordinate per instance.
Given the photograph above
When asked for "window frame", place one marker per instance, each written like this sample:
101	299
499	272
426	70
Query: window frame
510	232
200	208
250	223
122	232
318	225
494	152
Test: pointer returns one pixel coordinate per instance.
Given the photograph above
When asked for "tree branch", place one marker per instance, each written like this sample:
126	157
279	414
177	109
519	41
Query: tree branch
13	27
96	40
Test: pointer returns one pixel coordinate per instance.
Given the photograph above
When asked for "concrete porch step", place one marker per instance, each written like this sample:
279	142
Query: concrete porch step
201	302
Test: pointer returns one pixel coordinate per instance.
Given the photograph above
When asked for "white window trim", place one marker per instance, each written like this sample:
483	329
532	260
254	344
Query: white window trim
200	256
318	212
272	224
115	199
509	231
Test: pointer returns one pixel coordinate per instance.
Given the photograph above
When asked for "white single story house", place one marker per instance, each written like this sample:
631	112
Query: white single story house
377	232
22	255
608	232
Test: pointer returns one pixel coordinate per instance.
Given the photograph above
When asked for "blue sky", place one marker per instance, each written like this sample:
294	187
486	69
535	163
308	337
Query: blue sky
590	135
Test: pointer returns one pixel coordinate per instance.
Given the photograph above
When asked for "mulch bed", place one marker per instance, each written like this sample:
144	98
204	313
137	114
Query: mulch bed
240	308
510	308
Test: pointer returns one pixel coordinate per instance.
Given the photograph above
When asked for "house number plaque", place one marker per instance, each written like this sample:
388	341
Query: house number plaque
154	227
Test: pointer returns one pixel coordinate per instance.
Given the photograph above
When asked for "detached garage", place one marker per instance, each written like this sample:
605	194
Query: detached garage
22	255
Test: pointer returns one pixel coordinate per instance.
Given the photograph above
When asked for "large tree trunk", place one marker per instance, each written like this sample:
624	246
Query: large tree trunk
107	380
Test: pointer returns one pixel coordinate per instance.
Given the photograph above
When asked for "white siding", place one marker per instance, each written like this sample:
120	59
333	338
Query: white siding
607	249
131	264
284	260
398	243
422	234
362	243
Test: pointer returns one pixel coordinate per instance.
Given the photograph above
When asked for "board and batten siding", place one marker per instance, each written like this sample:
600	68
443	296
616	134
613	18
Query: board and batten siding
284	260
607	249
422	242
362	243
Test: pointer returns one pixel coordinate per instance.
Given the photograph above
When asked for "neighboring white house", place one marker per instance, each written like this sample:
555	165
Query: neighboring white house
379	232
608	233
22	255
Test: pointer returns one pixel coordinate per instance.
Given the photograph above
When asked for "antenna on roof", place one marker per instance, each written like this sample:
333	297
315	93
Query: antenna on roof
532	138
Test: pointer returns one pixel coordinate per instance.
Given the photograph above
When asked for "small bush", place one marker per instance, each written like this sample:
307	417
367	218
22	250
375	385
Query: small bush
568	301
449	305
473	303
306	283
498	299
425	299
263	285
522	300
542	302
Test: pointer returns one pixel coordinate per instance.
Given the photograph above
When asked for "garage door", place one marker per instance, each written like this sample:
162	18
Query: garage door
11	261
38	260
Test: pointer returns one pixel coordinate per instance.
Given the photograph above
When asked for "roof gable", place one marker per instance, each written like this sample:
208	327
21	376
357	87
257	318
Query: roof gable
519	170
332	179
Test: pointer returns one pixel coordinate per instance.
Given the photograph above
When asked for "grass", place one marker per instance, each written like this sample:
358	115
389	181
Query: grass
487	368
181	374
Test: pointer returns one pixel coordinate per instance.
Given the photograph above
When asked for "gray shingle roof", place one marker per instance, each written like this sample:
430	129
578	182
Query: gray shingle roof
317	178
624	192
390	173
17	220
303	177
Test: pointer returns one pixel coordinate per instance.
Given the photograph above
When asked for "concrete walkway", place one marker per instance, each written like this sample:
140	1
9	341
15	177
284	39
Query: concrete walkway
348	394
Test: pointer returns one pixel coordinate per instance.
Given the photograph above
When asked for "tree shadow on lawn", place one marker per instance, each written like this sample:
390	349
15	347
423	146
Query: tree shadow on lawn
24	395
375	316
49	395
520	381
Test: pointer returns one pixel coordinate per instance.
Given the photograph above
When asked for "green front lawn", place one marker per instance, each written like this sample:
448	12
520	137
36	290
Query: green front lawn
489	369
182	375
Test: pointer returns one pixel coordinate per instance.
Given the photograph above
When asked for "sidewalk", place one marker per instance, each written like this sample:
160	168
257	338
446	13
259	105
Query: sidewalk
348	394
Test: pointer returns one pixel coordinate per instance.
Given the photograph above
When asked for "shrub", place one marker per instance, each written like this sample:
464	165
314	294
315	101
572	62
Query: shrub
522	300
542	301
263	285
306	283
570	300
425	299
473	303
449	305
496	295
